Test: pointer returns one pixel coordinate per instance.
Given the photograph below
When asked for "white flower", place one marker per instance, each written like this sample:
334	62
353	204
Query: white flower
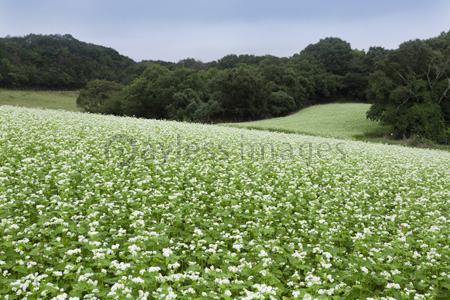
153	269
74	251
138	280
393	286
238	247
167	252
60	297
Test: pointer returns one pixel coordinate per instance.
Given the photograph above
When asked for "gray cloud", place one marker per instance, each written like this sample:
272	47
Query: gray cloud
207	30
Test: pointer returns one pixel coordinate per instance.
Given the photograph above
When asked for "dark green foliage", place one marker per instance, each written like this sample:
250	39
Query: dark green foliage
410	89
315	79
191	63
60	62
184	105
97	97
231	61
335	71
154	92
209	112
247	87
280	103
142	97
281	77
427	121
241	94
334	53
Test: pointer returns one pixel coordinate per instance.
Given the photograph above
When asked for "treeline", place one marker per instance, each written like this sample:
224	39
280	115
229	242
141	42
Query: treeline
409	87
60	62
239	88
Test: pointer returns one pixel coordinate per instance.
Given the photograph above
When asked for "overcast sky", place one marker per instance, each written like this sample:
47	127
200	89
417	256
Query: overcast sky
207	30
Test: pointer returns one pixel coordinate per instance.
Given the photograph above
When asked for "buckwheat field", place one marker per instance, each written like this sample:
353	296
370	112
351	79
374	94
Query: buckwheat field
102	207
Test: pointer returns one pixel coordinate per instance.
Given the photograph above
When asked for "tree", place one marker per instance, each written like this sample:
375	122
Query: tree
281	77
6	67
334	53
280	103
210	111
228	62
152	95
96	95
184	105
353	85
241	94
191	63
60	62
231	61
319	86
142	96
409	90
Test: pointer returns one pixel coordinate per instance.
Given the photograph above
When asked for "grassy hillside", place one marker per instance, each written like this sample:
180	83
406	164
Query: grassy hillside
49	100
347	120
197	212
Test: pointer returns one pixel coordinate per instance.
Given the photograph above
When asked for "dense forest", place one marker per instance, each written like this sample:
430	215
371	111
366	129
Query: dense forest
60	62
408	87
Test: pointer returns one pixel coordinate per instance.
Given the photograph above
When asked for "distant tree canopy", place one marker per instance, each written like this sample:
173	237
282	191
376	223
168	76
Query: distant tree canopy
60	62
409	87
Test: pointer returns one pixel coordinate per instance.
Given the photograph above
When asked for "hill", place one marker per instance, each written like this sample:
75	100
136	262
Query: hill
60	62
343	120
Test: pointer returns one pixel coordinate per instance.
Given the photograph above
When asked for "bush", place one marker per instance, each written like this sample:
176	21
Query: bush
280	103
96	94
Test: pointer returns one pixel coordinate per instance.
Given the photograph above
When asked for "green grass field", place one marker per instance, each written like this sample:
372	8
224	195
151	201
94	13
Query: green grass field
346	121
49	100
